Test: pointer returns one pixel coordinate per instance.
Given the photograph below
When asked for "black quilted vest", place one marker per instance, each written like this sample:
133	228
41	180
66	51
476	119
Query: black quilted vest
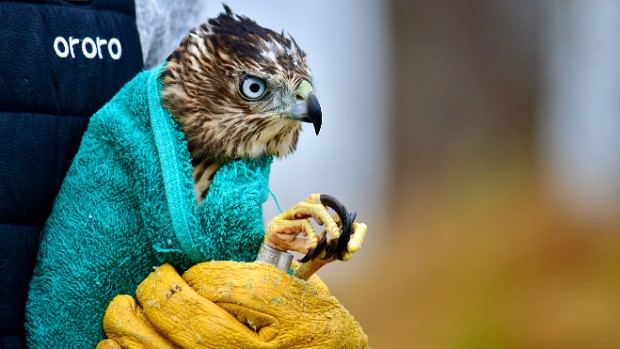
60	61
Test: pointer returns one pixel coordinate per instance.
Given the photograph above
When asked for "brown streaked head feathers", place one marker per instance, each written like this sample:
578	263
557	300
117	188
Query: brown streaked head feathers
203	89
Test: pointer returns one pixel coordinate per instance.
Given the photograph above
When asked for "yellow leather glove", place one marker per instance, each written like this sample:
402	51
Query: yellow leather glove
229	305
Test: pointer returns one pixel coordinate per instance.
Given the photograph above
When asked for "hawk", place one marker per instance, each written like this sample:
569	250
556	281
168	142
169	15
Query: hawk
239	90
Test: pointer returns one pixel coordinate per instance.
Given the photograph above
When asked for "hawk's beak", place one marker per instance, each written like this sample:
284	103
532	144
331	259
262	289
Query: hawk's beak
308	108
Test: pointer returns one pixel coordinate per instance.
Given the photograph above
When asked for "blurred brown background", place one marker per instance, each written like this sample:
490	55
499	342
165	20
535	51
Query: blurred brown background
481	252
480	141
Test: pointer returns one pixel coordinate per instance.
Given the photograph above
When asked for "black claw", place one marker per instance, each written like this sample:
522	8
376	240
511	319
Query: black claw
331	249
308	257
338	246
347	231
314	252
341	211
352	216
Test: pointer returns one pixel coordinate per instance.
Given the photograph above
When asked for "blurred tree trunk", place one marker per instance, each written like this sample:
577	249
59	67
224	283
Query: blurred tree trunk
465	82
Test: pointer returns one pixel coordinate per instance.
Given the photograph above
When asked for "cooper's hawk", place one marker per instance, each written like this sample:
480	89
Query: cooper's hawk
239	90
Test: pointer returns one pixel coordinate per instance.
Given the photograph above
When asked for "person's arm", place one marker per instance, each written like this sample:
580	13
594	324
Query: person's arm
163	23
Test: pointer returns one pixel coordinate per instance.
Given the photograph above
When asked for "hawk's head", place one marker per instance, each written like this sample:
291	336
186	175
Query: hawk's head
239	90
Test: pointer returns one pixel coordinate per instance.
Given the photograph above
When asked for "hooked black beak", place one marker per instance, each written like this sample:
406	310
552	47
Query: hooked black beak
309	111
315	115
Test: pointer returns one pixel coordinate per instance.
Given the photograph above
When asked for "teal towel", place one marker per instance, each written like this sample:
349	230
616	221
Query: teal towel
127	204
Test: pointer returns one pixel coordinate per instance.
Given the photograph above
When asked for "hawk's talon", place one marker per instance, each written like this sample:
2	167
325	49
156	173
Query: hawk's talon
282	234
282	231
332	249
337	246
359	233
313	252
339	240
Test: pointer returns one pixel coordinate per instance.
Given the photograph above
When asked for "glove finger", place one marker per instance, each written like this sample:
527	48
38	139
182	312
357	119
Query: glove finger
320	286
307	316
249	284
125	324
188	319
262	324
108	344
314	280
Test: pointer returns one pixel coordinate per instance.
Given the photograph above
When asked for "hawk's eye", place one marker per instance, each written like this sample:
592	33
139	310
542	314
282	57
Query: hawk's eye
252	87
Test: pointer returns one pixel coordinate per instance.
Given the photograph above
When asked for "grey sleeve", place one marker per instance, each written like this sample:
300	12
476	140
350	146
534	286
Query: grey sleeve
162	24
